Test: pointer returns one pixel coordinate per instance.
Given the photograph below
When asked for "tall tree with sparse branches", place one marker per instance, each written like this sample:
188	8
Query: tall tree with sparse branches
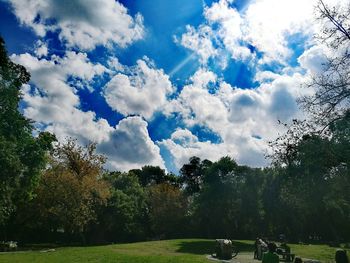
331	98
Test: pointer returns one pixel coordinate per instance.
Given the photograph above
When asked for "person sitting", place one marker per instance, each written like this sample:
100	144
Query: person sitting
270	256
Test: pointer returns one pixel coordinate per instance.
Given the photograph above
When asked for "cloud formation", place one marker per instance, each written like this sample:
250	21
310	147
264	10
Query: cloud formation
130	147
53	103
265	26
81	23
55	106
183	144
141	92
244	119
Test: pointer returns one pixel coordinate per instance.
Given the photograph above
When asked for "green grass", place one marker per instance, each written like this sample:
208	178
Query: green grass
170	251
155	251
324	253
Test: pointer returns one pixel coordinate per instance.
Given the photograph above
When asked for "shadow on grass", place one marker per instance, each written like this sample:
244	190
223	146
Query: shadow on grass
207	247
243	247
197	247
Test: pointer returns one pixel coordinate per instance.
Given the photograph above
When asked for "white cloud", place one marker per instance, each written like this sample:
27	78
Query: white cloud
129	146
75	64
230	28
81	23
183	144
264	25
219	37
78	65
262	76
270	22
142	92
55	107
314	59
53	103
115	65
203	77
200	42
244	119
41	49
197	105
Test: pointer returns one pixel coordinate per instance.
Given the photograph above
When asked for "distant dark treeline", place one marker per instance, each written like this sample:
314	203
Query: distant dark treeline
75	200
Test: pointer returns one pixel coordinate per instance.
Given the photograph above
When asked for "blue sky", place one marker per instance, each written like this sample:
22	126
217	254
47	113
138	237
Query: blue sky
156	82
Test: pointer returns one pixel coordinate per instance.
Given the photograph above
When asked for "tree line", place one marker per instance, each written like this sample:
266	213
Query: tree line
61	193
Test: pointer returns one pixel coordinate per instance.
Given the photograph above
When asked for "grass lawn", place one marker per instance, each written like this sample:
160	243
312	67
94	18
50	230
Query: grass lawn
180	250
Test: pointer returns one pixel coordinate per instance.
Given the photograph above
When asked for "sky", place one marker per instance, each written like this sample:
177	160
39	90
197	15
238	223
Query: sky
154	82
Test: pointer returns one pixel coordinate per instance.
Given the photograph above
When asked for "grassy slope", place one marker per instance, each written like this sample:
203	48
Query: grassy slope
156	251
181	250
324	253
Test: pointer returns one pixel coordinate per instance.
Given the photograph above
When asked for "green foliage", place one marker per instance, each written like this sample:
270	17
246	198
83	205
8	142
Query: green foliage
151	175
315	184
123	219
192	174
167	207
70	192
228	204
22	156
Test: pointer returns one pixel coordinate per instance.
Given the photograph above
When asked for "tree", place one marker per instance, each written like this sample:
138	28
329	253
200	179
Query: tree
218	204
284	148
148	175
22	156
313	184
192	174
124	217
151	175
312	158
167	210
71	190
332	87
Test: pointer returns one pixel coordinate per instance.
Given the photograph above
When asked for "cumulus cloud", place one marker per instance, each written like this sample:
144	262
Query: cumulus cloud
266	26
314	59
114	65
74	64
244	119
263	76
41	49
197	105
142	92
200	42
230	28
55	104
270	22
220	35
129	146
183	144
81	23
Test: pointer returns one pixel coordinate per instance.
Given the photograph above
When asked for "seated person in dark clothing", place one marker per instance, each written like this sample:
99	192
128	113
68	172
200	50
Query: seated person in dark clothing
270	256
